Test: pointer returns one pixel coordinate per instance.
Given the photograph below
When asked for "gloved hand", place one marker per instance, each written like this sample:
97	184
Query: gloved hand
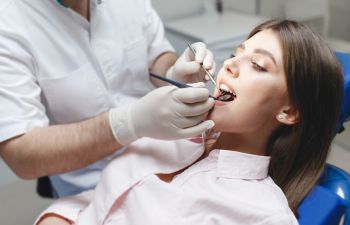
188	69
165	113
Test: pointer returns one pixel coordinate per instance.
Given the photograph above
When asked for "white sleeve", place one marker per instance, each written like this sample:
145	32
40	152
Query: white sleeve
20	99
68	207
158	43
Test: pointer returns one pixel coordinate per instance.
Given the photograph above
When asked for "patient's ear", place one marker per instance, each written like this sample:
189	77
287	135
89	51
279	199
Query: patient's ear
287	115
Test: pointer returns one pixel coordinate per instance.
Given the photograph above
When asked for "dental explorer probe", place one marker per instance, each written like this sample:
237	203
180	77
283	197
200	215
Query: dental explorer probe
223	98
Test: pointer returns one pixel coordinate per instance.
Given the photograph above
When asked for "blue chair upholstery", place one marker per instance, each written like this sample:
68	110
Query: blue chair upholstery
329	200
338	181
345	110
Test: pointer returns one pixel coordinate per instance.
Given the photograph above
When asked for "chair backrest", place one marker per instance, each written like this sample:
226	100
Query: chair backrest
345	111
328	201
338	181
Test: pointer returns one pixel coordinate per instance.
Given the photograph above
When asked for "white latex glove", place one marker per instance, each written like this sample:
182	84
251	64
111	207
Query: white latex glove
188	68
166	113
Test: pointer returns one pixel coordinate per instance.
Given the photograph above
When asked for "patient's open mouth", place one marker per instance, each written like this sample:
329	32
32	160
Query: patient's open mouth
226	95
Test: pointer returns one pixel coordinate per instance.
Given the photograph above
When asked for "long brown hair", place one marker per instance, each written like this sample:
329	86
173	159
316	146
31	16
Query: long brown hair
315	88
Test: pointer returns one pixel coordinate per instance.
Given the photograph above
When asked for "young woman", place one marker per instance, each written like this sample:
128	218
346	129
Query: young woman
286	87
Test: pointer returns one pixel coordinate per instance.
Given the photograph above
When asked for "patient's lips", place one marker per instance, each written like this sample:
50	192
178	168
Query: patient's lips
226	94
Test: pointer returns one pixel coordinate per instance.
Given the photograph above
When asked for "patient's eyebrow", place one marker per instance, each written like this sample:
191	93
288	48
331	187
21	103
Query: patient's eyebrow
260	51
242	46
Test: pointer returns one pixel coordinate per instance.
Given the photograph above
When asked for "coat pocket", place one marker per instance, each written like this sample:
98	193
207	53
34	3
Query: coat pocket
75	96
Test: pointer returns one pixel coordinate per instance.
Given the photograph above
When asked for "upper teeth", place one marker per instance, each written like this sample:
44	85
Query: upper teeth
224	87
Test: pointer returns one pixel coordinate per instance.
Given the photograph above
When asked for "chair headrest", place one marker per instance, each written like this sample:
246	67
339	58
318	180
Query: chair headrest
344	59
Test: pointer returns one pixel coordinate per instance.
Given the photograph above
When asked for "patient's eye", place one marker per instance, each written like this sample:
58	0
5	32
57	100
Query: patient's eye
257	67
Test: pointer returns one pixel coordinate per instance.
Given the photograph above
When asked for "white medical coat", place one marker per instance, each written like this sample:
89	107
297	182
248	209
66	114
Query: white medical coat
56	67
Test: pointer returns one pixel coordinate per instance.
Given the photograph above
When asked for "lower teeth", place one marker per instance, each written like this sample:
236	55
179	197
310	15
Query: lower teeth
225	96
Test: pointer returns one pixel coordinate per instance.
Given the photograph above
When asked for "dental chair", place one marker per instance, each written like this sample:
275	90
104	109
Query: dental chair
330	199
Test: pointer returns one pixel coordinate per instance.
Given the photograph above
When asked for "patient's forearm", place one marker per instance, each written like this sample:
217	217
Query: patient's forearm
59	148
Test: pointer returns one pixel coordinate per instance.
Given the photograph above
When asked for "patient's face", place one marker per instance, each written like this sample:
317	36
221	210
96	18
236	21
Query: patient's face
256	76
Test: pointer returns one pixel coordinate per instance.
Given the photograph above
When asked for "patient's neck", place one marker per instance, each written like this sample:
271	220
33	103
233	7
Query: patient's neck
243	143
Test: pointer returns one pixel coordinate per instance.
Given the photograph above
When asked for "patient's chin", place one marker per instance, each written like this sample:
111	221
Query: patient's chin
217	116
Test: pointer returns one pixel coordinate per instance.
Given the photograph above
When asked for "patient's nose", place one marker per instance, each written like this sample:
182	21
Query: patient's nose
231	68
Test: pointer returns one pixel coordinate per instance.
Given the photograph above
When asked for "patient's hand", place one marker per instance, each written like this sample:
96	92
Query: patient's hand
52	219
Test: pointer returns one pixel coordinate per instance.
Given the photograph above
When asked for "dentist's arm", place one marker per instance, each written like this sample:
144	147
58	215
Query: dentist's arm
161	65
165	113
59	148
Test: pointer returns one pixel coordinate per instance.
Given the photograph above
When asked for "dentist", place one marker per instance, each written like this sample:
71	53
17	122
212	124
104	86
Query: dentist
75	89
